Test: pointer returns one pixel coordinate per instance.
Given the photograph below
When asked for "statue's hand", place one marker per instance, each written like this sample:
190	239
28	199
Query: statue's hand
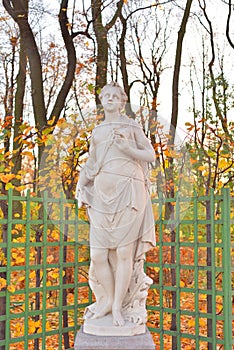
80	203
121	142
78	197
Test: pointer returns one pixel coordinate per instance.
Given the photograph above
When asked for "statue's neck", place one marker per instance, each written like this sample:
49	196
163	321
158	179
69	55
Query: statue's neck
112	117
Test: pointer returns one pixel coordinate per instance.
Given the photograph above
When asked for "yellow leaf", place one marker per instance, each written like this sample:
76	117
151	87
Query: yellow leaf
182	284
3	260
31	327
202	322
51	122
32	275
191	323
222	163
55	275
11	289
14	232
48	326
86	300
38	323
9	185
55	235
2	283
156	269
20	279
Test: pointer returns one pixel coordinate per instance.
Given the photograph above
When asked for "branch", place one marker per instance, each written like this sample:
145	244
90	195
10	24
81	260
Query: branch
71	65
228	23
84	32
9	9
148	7
211	63
116	15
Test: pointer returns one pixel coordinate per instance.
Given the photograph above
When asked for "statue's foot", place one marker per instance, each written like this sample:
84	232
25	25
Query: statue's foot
102	311
117	318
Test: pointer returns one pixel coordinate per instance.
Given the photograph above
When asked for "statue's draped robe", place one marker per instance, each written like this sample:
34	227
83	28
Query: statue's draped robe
117	195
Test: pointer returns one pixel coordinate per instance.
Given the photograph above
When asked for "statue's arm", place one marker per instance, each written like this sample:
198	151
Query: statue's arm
87	173
144	150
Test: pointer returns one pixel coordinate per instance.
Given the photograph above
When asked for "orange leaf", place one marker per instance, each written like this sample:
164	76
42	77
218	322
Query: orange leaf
7	177
20	188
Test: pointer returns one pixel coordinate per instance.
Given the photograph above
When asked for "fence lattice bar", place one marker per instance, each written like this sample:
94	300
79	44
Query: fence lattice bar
196	281
227	264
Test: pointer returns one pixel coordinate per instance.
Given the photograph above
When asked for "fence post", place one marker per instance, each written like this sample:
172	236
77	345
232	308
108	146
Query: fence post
8	272
227	289
3	274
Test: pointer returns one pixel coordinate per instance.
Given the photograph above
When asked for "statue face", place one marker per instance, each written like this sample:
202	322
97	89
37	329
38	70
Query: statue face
111	100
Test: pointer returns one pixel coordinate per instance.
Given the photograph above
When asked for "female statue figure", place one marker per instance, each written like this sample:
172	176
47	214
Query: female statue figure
113	185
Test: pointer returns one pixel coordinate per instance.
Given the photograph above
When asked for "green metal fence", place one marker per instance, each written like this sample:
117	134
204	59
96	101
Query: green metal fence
45	271
44	260
194	260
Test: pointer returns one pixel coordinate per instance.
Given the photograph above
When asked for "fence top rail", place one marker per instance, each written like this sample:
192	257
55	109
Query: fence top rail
160	197
36	198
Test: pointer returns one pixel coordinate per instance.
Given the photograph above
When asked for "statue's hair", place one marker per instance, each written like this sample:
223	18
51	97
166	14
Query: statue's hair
124	97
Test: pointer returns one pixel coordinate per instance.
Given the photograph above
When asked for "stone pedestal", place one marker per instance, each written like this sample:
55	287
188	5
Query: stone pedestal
104	327
86	341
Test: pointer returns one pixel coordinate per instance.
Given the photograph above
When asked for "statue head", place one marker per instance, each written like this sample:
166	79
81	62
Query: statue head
119	89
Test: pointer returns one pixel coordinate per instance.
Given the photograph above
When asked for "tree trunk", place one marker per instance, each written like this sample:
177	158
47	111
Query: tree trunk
123	66
71	66
101	33
176	75
19	108
19	12
170	177
102	48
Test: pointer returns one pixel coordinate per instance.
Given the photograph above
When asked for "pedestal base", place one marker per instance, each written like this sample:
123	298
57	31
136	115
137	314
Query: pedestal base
104	327
86	341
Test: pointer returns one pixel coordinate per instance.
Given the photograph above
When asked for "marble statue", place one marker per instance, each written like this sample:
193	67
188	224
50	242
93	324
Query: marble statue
113	185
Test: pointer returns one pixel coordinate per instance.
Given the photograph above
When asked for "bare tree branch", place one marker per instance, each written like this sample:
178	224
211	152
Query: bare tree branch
228	23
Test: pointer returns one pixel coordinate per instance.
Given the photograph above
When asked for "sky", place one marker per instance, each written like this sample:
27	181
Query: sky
217	11
192	49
